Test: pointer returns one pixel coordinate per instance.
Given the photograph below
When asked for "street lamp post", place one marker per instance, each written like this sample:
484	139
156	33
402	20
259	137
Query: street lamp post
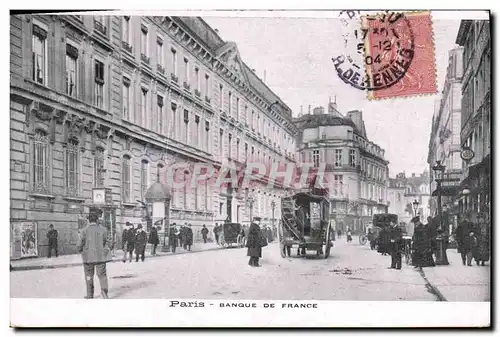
250	204
442	237
415	207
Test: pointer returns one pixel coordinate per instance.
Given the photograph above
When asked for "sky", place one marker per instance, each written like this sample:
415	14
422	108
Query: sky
295	54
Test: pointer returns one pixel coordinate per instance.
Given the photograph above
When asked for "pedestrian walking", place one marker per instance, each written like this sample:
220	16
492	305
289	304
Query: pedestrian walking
383	241
461	233
339	233
483	240
396	235
173	238
422	256
371	238
140	243
204	233
182	236
216	233
349	236
95	254
128	241
469	246
188	233
254	243
52	237
154	240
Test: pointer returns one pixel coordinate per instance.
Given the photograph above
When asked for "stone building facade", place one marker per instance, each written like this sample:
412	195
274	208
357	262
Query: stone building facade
475	37
356	164
113	101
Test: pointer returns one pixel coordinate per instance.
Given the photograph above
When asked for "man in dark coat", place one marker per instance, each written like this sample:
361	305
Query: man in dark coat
469	246
396	236
154	240
482	252
188	234
141	238
95	253
172	237
371	238
52	236
254	243
383	241
461	234
128	241
216	233
204	233
422	246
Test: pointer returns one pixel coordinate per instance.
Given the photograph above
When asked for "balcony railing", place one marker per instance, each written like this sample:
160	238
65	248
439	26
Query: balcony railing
100	27
207	99
127	46
160	69
186	86
197	93
145	59
174	78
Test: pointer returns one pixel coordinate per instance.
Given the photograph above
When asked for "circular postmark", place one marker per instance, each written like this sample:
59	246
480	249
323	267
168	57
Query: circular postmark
383	46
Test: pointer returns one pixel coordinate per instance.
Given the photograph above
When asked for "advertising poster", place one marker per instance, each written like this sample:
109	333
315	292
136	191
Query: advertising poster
25	240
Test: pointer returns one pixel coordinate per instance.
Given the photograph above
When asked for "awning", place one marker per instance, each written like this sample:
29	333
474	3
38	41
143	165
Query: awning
447	191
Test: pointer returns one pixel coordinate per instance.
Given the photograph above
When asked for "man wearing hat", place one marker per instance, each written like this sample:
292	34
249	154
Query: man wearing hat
140	243
128	241
254	243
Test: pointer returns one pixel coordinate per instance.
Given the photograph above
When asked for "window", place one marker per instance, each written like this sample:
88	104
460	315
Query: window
159	173
252	120
186	70
252	153
126	169
72	168
71	70
246	151
316	158
41	162
338	180
159	103
99	84
196	197
197	131
174	62
207	85
206	196
144	107
338	158
159	50
245	114
221	141
237	108
352	158
207	136
144	40
144	178
99	167
229	139
197	78
237	149
186	127
39	55
349	134
126	99
185	190
230	95
126	30
173	132
221	97
221	204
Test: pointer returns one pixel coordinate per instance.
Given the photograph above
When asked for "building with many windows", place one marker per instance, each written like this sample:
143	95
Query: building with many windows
356	164
444	141
112	101
474	36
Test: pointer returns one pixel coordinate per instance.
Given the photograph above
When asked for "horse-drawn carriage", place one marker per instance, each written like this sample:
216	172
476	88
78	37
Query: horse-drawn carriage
305	224
230	234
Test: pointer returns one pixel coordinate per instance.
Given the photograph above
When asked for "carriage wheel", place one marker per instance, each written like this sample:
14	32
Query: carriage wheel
281	240
328	242
362	240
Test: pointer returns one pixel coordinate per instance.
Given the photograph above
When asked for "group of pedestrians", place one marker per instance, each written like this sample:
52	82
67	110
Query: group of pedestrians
135	240
473	240
182	237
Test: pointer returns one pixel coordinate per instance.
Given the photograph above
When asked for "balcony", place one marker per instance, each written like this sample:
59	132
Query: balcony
160	69
145	59
100	27
207	99
187	86
127	47
197	93
174	78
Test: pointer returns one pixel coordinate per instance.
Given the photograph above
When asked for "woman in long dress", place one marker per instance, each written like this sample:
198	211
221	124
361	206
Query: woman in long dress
422	252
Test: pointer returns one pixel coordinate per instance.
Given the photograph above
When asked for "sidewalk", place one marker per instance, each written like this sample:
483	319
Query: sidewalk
459	283
75	259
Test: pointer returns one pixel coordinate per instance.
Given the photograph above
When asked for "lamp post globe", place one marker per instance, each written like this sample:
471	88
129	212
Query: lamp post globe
442	236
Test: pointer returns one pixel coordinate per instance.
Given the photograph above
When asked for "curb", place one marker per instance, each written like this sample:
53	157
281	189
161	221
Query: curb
431	288
74	264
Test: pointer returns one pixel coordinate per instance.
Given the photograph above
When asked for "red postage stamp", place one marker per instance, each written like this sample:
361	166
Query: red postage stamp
399	55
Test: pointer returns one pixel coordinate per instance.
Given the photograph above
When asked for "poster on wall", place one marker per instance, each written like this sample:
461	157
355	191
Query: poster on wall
24	239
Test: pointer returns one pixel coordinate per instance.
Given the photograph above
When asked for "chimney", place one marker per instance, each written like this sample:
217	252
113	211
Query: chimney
309	110
216	31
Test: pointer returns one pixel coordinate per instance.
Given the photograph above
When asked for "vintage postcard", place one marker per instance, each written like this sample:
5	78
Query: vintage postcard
250	169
